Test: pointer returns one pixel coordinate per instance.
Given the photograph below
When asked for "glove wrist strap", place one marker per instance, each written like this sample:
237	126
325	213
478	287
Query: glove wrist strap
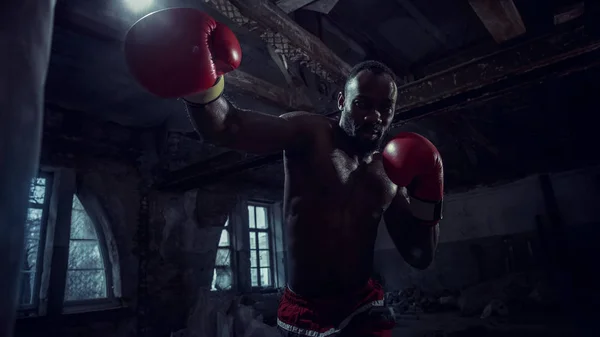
426	210
207	96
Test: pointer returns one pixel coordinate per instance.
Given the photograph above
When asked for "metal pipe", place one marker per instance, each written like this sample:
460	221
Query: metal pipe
25	38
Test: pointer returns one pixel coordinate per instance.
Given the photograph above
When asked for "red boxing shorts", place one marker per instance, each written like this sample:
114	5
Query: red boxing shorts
359	314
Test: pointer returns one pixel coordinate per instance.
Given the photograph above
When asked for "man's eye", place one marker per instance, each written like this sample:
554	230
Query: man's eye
360	104
387	110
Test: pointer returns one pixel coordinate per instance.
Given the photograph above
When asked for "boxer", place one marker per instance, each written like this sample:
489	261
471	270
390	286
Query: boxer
338	185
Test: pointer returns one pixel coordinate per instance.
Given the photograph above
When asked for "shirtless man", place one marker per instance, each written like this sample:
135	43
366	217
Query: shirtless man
337	185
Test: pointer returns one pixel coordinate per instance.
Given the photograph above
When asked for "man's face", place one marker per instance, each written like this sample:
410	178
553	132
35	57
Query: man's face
367	106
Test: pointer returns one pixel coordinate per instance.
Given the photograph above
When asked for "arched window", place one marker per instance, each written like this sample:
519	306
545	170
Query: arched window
86	271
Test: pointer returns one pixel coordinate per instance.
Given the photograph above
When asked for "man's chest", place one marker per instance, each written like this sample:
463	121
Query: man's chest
355	181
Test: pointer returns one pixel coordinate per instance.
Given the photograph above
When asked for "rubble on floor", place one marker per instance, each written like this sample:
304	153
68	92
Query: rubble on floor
514	292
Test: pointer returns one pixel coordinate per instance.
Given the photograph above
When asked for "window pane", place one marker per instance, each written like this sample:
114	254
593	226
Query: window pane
37	192
264	258
223	257
77	206
253	258
27	288
222	279
33	223
265	277
31	255
85	284
85	255
81	224
254	276
261	217
224	240
252	240
263	240
251	217
86	276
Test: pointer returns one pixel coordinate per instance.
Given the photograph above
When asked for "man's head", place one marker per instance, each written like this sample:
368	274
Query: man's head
368	104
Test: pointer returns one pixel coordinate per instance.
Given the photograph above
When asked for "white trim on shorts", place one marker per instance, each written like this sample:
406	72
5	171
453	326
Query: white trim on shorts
332	331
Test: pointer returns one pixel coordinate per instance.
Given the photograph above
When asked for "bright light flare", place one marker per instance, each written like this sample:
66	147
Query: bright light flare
138	5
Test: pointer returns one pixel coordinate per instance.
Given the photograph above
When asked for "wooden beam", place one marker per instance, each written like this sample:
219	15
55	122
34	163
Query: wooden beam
570	13
500	17
321	6
424	22
291	99
289	6
272	17
495	72
375	45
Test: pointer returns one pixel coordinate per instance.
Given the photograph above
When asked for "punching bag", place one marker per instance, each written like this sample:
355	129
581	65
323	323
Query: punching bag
25	37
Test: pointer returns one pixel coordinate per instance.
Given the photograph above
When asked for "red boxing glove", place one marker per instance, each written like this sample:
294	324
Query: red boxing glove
412	161
177	52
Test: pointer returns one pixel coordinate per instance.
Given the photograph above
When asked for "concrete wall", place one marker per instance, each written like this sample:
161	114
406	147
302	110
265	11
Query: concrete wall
490	231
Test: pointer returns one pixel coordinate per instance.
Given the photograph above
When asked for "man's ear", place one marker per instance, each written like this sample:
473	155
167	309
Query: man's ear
341	100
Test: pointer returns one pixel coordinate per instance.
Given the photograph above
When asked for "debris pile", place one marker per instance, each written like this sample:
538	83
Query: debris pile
414	301
498	297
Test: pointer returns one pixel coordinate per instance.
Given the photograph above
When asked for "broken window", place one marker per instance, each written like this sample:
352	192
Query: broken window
260	246
34	239
222	273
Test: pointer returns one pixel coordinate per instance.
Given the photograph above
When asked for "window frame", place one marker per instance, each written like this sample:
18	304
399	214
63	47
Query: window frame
48	299
39	263
269	230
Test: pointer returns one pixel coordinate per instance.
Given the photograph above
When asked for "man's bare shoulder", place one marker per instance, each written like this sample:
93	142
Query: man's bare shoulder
309	126
309	121
307	116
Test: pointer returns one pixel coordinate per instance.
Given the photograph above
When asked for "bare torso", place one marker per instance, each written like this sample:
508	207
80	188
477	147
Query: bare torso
333	205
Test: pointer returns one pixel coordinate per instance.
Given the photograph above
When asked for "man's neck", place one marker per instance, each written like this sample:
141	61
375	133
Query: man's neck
352	147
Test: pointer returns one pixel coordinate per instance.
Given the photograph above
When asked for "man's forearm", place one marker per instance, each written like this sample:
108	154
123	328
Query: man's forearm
415	240
215	121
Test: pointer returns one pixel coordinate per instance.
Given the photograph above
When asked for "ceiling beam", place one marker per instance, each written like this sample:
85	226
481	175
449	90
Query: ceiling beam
463	82
269	15
476	81
321	6
424	22
375	45
500	17
570	13
290	99
289	6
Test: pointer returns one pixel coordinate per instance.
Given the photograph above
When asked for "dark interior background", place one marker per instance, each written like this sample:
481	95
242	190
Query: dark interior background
515	121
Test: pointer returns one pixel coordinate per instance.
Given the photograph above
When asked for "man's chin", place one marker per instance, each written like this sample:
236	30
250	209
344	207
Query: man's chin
368	144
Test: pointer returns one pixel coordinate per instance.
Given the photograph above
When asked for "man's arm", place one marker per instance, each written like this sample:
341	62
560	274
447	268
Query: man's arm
415	240
220	123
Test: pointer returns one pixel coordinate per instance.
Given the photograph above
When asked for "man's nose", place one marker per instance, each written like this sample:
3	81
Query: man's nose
373	117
